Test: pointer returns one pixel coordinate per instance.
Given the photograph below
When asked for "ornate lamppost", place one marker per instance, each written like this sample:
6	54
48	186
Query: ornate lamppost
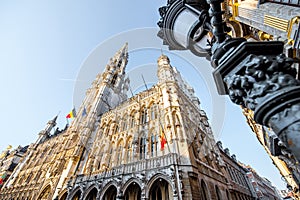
256	75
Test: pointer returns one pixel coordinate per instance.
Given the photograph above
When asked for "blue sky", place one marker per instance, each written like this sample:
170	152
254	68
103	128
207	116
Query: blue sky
50	51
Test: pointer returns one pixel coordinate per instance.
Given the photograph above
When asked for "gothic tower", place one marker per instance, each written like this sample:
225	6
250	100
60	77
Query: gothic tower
157	144
56	157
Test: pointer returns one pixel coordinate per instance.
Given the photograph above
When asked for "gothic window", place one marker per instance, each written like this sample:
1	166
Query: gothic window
42	155
132	120
177	120
37	176
142	147
153	144
143	118
114	79
124	123
28	178
153	111
20	179
100	156
168	122
115	129
218	193
106	130
129	151
204	192
110	153
119	153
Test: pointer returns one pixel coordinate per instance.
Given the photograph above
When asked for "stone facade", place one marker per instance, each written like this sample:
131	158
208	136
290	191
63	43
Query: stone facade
240	186
157	144
285	162
262	186
9	159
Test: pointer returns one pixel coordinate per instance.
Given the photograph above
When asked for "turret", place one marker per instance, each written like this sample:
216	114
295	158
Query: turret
44	134
164	70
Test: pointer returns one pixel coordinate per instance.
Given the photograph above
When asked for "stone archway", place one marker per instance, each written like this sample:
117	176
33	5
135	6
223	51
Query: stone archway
92	195
77	195
45	193
160	190
64	196
110	193
133	192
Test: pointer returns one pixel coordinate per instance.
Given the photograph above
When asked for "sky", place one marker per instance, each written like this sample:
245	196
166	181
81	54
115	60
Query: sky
50	51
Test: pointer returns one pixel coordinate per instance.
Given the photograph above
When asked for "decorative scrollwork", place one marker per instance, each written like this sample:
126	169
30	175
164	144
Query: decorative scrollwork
261	76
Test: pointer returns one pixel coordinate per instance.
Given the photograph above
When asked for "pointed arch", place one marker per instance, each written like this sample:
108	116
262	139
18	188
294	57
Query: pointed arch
63	195
130	181
160	188
133	192
109	191
91	193
77	194
45	192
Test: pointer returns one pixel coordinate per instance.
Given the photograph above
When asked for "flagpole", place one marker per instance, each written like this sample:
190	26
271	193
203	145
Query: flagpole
144	82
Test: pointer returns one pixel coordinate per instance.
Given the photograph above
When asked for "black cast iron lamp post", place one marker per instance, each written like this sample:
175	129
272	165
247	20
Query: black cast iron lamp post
255	75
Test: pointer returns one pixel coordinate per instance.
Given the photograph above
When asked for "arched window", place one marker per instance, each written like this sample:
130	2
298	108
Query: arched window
153	138
116	129
132	119
119	153
124	123
21	178
204	192
144	118
177	120
153	111
219	196
168	122
38	175
106	130
100	157
142	147
110	153
129	150
29	178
